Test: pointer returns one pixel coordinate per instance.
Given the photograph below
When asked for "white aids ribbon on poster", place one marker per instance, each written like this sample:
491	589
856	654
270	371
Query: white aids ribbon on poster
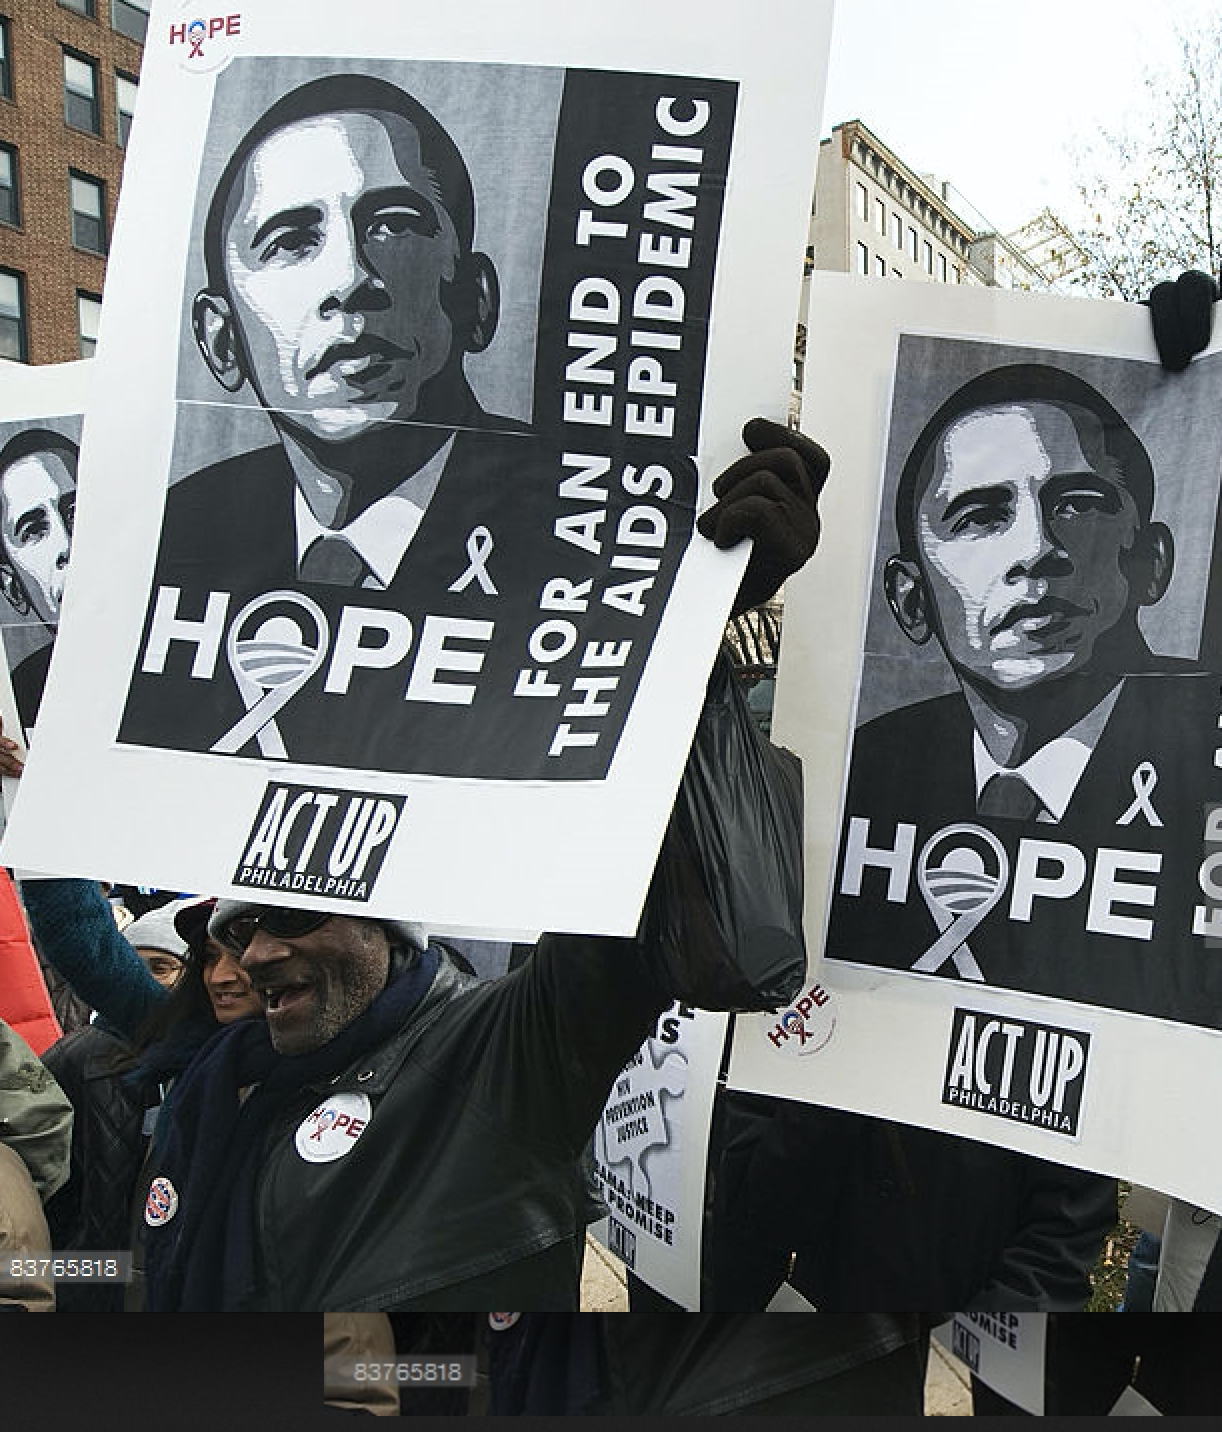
1004	658
651	1151
416	367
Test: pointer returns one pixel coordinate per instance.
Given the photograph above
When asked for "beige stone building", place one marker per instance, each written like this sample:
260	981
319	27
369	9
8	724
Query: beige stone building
876	217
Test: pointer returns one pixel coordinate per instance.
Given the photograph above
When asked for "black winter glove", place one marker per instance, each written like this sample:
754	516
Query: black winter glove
772	496
1182	314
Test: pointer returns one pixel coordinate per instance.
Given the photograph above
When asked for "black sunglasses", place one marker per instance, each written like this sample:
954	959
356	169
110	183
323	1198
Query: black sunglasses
280	921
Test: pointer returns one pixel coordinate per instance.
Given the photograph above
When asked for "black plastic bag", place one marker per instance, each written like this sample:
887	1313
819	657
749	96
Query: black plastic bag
724	911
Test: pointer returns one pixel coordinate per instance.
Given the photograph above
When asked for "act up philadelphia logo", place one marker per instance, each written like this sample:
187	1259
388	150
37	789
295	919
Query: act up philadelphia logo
318	842
1015	1069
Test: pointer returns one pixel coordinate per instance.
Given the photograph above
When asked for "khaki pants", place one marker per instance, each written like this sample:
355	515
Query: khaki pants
23	1228
358	1337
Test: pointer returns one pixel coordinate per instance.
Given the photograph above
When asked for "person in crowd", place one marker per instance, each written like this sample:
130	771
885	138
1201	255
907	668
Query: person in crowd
331	1115
35	1136
93	1066
707	1364
23	1229
117	1069
1090	1362
875	1214
155	939
70	1009
349	1340
76	934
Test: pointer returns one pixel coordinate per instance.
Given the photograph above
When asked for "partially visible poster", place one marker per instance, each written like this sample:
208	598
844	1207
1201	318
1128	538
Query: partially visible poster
42	413
1018	902
1006	1351
434	350
651	1151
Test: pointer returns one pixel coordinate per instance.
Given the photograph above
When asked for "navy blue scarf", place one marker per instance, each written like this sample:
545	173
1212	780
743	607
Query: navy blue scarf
210	1145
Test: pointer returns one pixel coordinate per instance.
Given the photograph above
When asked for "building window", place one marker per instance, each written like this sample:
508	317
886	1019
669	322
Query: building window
958	273
912	244
897	231
6	71
10	200
880	217
125	105
942	267
88	213
863	203
12	316
895	273
82	7
880	266
863	259
928	254
81	108
88	311
130	18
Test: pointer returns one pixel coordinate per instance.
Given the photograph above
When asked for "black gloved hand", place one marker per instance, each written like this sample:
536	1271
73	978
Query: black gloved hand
1182	314
771	495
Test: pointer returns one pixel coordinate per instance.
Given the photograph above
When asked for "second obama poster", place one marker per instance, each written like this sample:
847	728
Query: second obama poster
1007	668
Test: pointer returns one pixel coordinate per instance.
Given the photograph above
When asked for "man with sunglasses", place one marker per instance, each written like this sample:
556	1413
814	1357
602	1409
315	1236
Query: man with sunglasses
395	1134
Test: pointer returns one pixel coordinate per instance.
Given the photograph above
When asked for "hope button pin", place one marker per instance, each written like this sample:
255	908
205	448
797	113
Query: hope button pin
331	1130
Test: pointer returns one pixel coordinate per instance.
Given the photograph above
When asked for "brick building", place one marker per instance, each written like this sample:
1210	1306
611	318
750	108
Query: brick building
68	71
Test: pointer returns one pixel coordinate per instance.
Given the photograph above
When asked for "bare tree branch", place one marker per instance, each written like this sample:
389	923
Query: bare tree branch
1152	192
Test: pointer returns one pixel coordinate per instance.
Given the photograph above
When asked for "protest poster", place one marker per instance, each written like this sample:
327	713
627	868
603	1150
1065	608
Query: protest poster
651	1150
488	295
1006	1351
41	416
1020	578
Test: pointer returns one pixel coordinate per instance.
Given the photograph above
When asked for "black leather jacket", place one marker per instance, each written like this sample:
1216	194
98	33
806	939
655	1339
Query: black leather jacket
464	1189
883	1215
92	1212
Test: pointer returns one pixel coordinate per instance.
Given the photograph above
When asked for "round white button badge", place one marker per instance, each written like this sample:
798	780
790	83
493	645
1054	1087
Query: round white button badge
807	1026
161	1204
331	1130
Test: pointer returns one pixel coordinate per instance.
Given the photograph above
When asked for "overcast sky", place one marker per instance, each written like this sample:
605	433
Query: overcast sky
991	94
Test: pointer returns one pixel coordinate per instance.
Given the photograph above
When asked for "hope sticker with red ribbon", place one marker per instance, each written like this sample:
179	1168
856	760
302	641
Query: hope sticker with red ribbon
331	1131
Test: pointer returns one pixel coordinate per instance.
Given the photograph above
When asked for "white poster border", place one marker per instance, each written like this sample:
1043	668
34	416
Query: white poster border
671	1268
591	851
1153	1085
32	395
